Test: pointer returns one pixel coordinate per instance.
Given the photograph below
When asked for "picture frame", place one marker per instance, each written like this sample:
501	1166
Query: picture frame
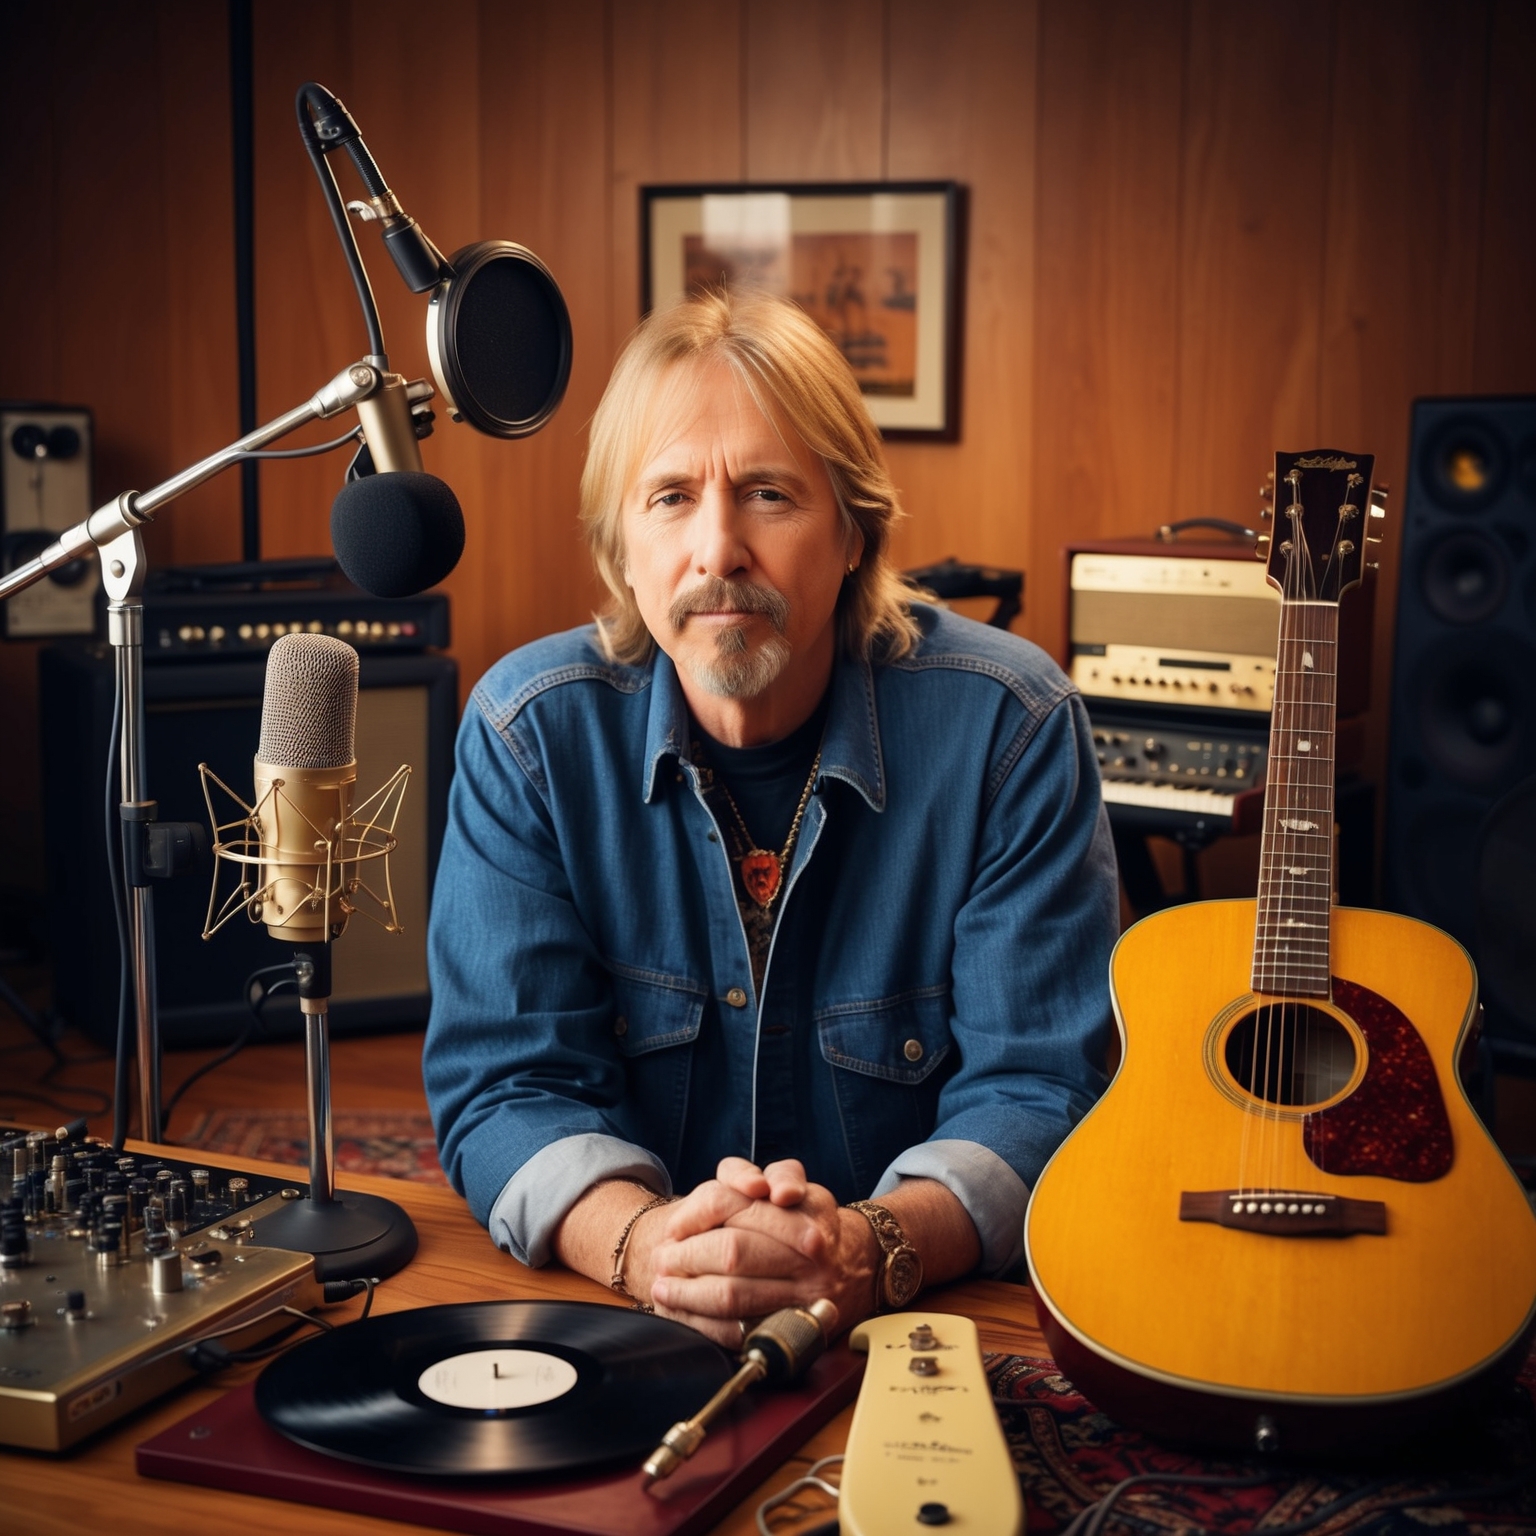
876	264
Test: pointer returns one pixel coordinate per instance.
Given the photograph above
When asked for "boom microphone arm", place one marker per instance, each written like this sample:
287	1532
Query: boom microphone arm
112	532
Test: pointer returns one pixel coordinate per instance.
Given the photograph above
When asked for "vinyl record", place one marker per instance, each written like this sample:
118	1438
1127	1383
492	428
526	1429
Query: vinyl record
491	1388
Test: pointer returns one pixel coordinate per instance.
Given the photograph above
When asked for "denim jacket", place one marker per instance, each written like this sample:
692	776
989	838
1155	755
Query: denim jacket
935	1002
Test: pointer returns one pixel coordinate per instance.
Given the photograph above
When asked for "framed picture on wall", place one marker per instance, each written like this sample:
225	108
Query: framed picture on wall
876	264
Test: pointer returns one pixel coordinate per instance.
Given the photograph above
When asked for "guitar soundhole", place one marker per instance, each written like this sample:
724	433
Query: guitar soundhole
1290	1054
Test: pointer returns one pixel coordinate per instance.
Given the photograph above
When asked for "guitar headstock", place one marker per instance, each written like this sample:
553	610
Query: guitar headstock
1325	513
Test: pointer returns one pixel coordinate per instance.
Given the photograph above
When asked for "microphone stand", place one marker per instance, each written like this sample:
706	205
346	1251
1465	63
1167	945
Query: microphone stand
352	1236
112	533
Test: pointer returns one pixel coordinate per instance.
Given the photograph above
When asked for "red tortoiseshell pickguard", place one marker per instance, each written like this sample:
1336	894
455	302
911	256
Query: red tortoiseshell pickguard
1394	1124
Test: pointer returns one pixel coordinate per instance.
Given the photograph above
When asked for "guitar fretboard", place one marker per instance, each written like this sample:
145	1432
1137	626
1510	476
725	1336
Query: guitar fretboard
1290	948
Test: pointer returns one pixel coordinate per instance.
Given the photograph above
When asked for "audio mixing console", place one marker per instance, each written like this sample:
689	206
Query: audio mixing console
113	1266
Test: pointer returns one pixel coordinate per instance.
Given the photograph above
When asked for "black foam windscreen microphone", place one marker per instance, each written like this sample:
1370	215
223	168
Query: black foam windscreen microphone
398	533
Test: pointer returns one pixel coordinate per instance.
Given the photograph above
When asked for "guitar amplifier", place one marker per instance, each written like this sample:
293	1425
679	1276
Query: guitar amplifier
1173	648
1191	626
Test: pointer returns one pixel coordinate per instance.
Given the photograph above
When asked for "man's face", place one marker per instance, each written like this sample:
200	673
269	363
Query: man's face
734	546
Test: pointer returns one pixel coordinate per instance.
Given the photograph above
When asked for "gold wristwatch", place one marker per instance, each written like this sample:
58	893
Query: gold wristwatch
900	1278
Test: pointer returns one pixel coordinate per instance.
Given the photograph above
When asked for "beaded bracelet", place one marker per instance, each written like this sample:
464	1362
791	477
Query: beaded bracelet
621	1247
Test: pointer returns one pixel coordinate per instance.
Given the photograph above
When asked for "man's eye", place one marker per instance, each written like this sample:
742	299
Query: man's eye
669	499
768	493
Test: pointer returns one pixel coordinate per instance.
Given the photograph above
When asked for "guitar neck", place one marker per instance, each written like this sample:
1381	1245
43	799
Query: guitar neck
1290	949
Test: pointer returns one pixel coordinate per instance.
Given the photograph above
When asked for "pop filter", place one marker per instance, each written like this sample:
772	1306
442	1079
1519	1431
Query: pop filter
499	339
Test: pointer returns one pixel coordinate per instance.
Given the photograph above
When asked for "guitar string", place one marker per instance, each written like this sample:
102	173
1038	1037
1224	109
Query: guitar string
1292	1071
1280	904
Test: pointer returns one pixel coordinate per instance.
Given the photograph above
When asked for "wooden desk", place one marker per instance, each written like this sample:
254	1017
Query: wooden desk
95	1488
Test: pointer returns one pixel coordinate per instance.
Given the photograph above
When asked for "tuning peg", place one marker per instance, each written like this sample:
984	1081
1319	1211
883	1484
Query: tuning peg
1266	513
1373	565
1261	547
1373	538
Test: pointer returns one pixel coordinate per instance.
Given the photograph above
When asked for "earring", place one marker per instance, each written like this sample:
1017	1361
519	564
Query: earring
853	565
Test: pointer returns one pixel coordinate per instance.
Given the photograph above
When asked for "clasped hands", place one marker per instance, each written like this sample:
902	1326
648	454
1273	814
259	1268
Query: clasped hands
748	1242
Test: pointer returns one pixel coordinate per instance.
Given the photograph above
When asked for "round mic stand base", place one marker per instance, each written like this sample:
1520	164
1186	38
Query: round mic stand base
352	1236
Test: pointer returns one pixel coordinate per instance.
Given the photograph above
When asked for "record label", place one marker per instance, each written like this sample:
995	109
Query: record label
491	1379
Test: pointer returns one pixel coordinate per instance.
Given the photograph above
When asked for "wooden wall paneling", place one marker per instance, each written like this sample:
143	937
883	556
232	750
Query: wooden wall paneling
1506	300
1107	294
962	107
420	114
545	136
29	161
1400	275
202	404
29	369
815	90
1255	179
110	280
308	324
678	116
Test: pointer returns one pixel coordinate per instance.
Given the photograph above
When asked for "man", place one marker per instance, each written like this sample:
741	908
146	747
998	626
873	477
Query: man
774	888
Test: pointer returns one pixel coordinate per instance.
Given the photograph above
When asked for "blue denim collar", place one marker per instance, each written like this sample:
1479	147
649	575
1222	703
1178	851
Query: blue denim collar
850	750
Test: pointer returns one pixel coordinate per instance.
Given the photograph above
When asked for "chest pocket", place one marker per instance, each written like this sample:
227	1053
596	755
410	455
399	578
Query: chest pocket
655	1024
889	1059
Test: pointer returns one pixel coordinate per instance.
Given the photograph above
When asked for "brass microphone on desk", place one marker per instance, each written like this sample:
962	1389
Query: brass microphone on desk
302	852
779	1348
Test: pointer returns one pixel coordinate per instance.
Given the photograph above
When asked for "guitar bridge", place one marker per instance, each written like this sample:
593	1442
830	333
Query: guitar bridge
1284	1212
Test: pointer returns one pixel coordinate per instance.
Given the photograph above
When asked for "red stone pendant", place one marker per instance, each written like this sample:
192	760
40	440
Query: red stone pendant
760	874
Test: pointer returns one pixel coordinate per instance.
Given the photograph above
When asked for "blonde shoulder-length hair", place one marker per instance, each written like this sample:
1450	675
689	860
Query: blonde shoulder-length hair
777	351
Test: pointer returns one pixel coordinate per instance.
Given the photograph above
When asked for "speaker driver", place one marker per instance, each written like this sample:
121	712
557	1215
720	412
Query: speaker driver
1464	465
1440	860
1464	578
499	339
1476	707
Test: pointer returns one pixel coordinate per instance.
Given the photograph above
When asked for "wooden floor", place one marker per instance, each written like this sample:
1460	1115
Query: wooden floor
379	1072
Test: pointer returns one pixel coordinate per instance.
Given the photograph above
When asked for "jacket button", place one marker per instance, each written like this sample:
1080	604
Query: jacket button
621	1025
736	998
913	1050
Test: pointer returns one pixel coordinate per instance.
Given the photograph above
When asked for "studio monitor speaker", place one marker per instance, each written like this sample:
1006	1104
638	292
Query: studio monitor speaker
201	709
1461	797
45	487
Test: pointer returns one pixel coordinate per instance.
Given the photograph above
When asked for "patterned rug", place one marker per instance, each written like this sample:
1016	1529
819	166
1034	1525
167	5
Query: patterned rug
1069	1455
397	1144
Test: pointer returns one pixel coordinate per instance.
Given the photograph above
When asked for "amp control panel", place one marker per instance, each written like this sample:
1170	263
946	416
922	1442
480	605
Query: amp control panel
1152	751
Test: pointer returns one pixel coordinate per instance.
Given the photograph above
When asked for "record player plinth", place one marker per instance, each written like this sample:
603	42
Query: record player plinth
228	1445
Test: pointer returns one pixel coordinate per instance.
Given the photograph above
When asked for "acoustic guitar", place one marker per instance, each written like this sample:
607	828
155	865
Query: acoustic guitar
1283	1226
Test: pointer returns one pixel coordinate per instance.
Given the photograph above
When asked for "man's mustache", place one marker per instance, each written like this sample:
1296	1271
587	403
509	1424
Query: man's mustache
716	595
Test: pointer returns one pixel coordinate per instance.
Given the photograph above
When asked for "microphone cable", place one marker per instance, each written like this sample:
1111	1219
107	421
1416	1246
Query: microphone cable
316	98
256	996
114	830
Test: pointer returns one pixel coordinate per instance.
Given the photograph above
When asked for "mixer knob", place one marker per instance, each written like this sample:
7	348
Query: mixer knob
237	1190
165	1272
74	1307
15	1315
